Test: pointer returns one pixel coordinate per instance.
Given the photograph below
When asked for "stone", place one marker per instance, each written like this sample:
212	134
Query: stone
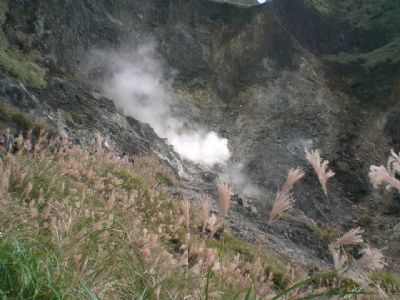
253	210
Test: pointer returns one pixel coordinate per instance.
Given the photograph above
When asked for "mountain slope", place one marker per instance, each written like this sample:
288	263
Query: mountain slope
273	79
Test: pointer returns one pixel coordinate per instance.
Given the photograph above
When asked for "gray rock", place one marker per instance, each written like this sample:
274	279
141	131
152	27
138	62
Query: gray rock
253	210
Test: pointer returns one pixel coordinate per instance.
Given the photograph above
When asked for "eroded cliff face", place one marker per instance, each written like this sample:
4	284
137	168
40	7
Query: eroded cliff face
253	73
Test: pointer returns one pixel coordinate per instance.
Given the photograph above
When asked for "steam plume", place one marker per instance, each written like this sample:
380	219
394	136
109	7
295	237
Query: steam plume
136	84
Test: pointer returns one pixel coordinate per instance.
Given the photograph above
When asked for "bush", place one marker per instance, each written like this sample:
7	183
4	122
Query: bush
21	120
25	71
15	65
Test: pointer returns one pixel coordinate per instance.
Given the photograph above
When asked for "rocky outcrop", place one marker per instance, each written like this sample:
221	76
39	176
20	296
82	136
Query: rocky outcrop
73	109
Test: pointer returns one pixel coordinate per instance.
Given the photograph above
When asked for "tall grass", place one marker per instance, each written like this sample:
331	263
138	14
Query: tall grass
88	226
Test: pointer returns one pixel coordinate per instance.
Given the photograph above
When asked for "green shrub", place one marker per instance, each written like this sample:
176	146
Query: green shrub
3	11
365	14
164	179
11	63
25	71
22	120
321	6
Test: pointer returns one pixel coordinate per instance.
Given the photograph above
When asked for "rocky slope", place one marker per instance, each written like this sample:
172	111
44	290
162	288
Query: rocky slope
272	78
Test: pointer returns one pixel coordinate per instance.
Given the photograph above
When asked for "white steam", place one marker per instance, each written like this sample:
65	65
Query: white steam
235	174
136	84
203	148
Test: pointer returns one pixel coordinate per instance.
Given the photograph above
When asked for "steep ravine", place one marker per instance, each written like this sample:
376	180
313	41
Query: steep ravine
252	73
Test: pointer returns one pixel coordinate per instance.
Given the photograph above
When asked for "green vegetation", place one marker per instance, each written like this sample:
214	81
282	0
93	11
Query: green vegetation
16	65
233	245
365	14
371	77
21	120
27	72
324	233
388	280
29	269
322	6
85	226
164	179
388	54
3	11
370	73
